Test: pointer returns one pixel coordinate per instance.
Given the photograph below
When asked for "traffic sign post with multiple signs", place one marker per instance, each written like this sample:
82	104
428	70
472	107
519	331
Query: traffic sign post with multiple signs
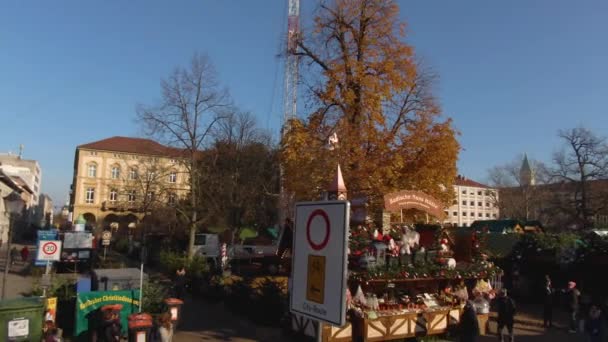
319	264
44	235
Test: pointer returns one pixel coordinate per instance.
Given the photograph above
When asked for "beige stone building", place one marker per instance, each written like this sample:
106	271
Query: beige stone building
122	179
473	201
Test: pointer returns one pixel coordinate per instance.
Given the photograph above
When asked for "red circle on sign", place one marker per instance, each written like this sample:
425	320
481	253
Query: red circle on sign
320	246
52	248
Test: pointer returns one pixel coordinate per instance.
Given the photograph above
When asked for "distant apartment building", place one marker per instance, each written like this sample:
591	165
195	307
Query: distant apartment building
473	201
122	179
8	185
27	170
44	214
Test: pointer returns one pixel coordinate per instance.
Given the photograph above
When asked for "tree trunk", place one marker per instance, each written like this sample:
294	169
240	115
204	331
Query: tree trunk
193	219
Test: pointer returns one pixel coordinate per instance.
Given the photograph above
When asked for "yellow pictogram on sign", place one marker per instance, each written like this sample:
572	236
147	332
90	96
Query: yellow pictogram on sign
315	284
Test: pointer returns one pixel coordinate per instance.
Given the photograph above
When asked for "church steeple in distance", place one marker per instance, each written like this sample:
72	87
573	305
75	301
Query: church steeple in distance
526	175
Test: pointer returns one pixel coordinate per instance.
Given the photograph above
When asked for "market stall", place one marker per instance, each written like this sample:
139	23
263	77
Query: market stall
402	289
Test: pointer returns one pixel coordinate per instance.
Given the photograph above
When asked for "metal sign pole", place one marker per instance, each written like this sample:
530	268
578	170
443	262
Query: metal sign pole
105	248
46	278
141	285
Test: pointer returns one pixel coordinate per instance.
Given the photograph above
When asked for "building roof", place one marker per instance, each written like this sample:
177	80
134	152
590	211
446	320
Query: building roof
4	178
463	181
19	181
135	146
495	226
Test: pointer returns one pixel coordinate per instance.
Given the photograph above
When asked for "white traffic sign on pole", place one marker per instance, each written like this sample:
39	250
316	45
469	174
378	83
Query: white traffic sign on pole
49	250
319	264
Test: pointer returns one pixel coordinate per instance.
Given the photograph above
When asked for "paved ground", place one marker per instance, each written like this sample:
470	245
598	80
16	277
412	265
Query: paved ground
18	281
203	321
212	322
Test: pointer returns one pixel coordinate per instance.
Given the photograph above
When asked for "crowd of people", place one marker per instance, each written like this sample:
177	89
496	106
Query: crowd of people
583	316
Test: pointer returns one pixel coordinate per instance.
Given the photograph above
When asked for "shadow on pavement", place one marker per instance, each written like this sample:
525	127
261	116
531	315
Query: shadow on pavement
204	321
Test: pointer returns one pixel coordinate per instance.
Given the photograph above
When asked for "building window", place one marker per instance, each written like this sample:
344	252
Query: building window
131	196
494	215
480	204
115	172
115	155
151	176
93	153
464	192
172	161
480	215
455	213
472	203
113	195
90	195
172	177
454	202
92	170
464	202
487	204
464	213
487	214
171	199
132	174
479	193
150	196
465	224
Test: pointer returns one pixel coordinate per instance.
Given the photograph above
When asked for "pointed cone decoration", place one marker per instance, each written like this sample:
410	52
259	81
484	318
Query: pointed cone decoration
338	183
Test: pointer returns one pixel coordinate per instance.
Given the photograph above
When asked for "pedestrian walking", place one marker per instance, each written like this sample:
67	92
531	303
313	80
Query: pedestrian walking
594	327
572	300
14	255
506	315
25	253
180	283
548	293
469	325
165	327
111	327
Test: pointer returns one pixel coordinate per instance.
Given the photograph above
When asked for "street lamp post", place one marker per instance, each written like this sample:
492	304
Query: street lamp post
13	205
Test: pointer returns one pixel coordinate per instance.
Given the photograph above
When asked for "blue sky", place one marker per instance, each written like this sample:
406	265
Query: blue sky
511	73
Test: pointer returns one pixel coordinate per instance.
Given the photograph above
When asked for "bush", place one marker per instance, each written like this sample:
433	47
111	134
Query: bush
238	297
153	297
122	245
62	288
270	297
196	269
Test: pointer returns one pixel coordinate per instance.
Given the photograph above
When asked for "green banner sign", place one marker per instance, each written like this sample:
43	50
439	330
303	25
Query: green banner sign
87	303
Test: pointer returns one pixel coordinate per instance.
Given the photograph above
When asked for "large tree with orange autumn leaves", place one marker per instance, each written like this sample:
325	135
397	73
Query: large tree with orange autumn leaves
365	84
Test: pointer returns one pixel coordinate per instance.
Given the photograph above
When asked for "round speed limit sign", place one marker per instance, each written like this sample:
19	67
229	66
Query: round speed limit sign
49	250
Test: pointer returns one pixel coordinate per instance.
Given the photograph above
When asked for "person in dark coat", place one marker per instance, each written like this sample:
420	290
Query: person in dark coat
572	300
180	283
548	303
469	325
506	315
594	325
